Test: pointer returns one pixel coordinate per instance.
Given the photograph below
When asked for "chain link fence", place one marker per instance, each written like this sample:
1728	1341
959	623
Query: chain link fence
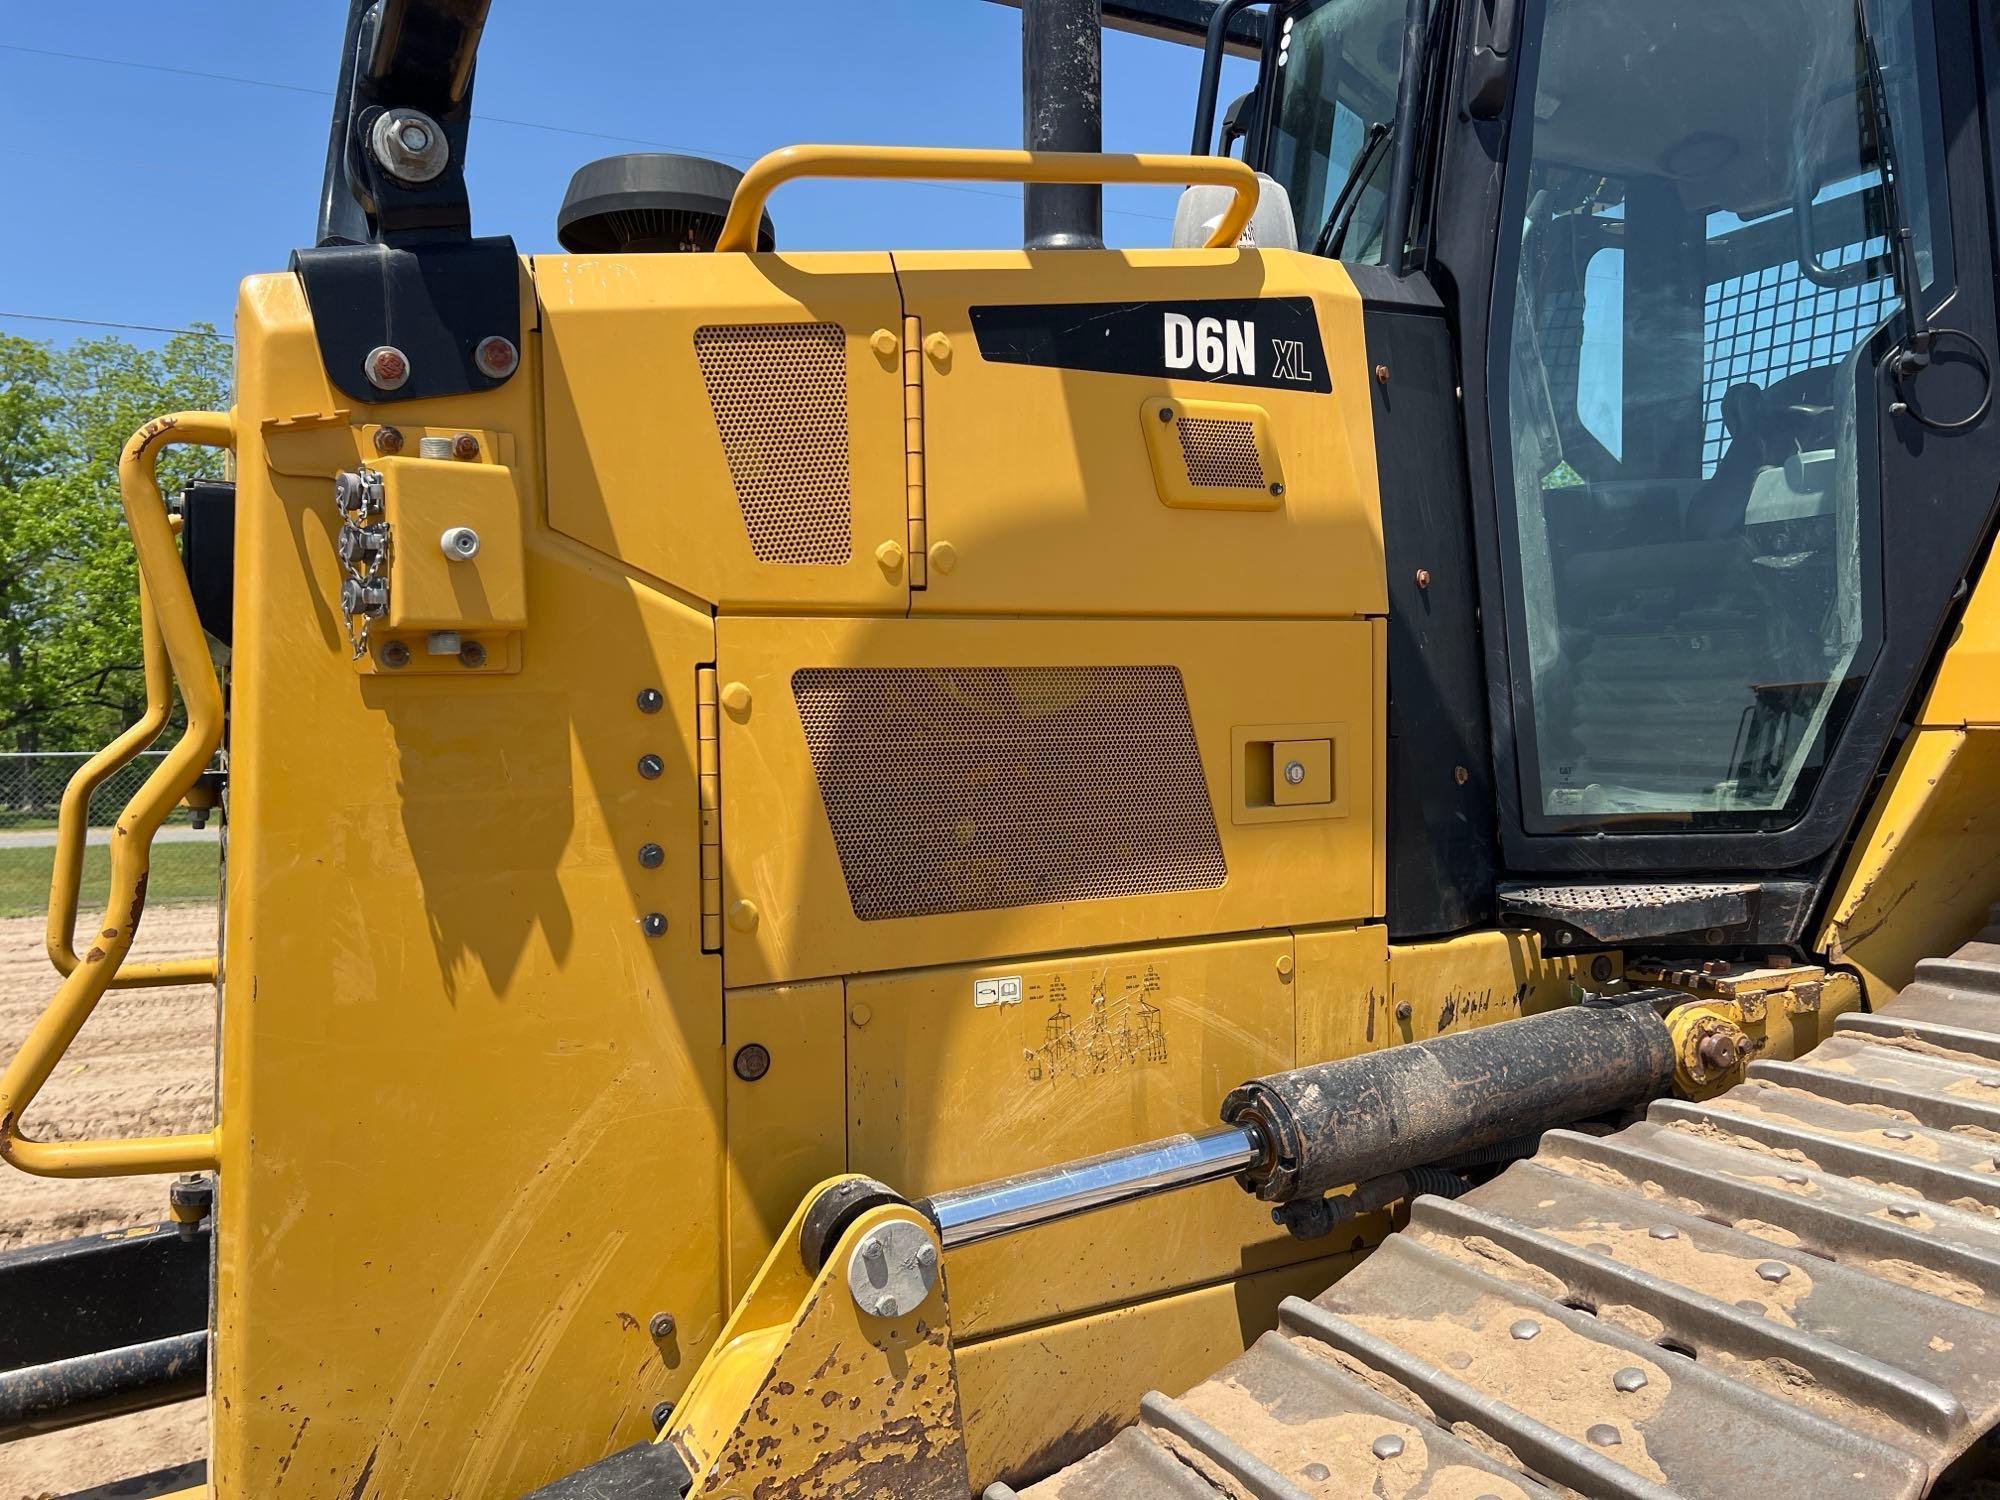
186	860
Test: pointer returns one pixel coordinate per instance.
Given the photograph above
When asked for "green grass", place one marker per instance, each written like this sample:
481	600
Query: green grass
181	874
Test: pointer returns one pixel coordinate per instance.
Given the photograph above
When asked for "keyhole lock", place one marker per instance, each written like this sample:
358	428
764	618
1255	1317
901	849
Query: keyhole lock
460	543
1295	771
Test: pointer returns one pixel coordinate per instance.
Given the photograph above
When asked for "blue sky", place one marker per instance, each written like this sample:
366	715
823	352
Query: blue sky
142	196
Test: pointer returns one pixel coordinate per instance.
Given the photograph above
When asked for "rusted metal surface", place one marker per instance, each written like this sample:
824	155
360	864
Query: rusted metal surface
1790	1290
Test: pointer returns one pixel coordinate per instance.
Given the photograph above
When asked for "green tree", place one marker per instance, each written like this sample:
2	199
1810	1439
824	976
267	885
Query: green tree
70	664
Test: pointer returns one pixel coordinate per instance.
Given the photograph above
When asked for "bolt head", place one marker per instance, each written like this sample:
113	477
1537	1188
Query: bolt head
650	700
387	367
1525	1329
1718	1052
409	145
652	856
388	440
653	924
1603	1435
1166	414
752	1062
662	1326
1423	578
1664	1232
465	446
395	654
650	767
661	1413
1277	488
1773	1271
886	1307
496	357
1387	1446
1629	1379
1898	1135
472	654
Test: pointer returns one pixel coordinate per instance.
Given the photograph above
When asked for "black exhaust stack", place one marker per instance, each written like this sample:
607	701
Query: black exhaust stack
1062	109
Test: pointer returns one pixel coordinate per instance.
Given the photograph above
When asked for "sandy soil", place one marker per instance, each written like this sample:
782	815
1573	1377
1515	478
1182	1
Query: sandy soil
144	1063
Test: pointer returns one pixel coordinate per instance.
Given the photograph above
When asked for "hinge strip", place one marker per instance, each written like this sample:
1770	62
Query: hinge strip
708	794
913	448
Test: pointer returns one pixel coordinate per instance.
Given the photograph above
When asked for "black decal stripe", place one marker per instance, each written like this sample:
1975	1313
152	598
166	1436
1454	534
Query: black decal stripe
1129	338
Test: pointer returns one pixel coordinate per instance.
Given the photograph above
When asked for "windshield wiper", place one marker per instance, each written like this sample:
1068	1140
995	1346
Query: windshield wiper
1334	230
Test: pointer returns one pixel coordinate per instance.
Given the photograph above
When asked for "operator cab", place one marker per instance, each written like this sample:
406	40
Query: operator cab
1666	241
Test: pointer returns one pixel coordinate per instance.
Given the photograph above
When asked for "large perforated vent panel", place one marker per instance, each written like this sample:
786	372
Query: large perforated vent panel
1221	454
973	788
779	393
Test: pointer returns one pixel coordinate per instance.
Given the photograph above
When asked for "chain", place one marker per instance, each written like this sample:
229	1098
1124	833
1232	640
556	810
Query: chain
363	545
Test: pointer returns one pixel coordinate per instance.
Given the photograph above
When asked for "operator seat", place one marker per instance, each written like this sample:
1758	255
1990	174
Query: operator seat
1718	506
1765	428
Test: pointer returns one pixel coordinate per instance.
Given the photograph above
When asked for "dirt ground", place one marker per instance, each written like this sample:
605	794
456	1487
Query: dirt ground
143	1064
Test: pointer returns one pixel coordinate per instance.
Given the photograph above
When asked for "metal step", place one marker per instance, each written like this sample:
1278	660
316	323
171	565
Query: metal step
1792	1290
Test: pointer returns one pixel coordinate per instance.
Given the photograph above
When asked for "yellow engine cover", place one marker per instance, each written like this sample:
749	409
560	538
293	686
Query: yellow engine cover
885	753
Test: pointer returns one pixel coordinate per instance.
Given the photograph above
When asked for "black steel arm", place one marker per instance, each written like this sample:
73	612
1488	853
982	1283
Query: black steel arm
400	54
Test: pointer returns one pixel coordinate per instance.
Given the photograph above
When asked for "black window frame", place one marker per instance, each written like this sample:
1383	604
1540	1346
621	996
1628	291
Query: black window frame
1935	524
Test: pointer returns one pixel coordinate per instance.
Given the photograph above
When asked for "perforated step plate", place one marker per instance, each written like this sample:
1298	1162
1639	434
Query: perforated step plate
1790	1291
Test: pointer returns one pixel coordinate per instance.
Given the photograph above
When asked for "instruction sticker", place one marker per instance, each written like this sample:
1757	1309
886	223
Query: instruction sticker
997	991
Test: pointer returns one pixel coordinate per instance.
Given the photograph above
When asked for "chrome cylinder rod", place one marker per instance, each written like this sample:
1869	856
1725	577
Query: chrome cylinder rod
969	1215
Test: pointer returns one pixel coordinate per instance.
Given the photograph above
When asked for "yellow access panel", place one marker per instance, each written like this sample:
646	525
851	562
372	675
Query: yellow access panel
968	1073
731	425
475	1105
1050	384
924	791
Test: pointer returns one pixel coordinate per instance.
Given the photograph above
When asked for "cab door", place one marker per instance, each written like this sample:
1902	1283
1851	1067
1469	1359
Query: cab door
1722	539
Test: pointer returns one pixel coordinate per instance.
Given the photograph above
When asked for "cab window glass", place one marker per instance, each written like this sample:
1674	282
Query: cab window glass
1338	65
1684	379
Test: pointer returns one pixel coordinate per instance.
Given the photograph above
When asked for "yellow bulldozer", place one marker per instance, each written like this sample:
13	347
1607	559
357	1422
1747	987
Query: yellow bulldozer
1349	856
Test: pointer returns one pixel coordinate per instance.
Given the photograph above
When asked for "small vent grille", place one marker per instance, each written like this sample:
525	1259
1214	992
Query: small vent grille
982	787
1221	454
779	393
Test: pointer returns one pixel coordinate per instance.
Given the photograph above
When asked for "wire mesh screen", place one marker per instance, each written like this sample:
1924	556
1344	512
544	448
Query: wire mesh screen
1766	324
974	788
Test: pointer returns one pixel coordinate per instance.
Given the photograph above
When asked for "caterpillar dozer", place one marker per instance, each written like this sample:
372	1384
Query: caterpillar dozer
1347	856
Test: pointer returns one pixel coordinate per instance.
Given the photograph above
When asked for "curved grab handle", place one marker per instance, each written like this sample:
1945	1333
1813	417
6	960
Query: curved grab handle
131	845
73	821
960	164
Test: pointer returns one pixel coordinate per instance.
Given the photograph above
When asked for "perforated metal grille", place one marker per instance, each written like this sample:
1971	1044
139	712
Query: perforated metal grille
1221	454
967	789
779	393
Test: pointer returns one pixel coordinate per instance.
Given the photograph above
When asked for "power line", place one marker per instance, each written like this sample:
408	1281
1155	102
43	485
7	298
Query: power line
199	333
571	130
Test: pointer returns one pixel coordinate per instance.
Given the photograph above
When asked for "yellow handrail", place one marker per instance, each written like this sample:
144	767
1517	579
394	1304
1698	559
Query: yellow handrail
768	172
73	822
132	840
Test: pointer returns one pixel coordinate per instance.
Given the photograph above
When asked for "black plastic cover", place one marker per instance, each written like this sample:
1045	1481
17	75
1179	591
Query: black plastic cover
649	201
208	553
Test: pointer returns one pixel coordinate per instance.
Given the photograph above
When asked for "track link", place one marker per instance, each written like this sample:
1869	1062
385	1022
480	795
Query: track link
1789	1290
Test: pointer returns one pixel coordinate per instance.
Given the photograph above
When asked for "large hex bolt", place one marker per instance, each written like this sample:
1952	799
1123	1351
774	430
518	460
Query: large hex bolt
409	144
